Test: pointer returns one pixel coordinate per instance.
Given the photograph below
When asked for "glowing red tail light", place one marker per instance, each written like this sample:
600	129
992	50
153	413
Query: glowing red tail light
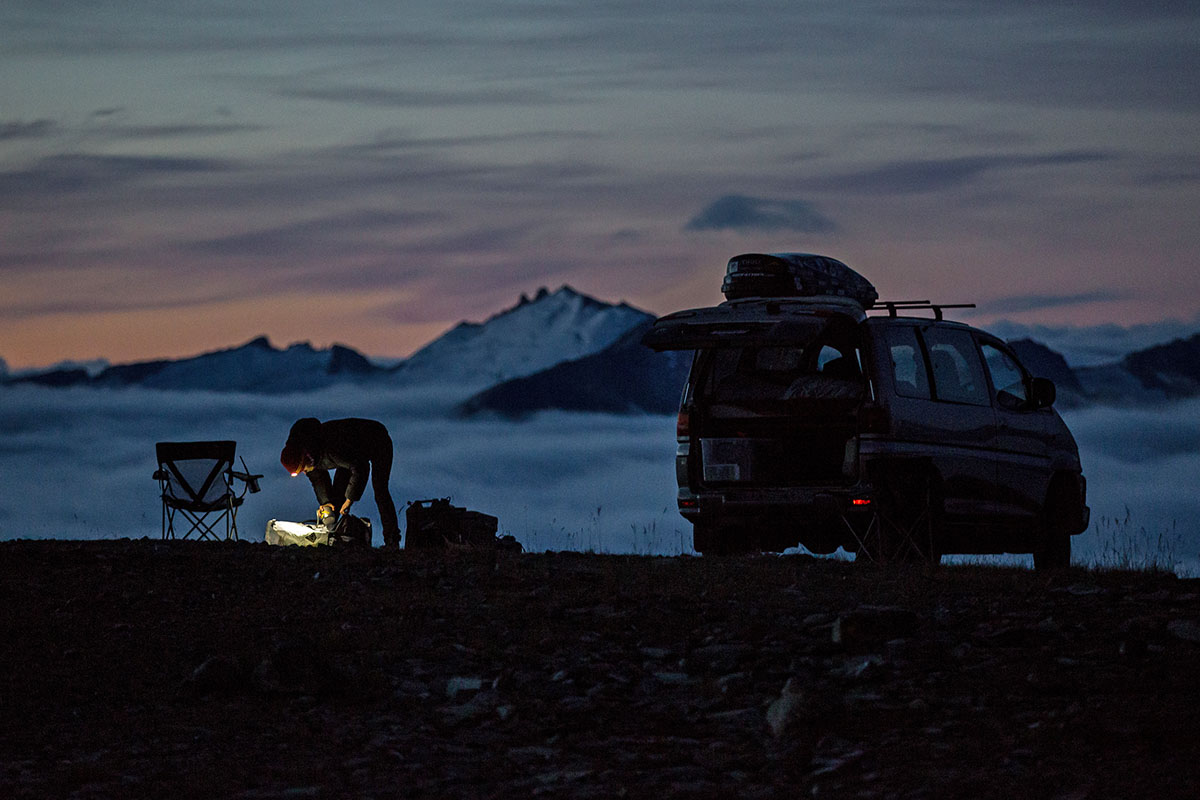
861	501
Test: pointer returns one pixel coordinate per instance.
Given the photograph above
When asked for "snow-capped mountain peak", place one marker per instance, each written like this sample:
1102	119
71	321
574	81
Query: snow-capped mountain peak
533	335
255	366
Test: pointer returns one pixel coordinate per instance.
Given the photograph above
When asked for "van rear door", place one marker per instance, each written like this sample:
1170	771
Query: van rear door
743	324
773	394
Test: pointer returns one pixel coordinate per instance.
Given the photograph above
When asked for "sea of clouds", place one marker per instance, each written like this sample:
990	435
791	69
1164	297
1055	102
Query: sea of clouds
77	464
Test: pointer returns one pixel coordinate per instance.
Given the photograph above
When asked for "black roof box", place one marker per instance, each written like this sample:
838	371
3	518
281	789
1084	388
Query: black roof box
794	275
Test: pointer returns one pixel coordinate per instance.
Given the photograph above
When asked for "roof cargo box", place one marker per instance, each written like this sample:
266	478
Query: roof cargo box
794	275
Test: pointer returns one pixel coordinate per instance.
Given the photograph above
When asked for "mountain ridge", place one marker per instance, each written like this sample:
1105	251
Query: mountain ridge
254	366
527	337
624	378
531	336
1159	373
564	350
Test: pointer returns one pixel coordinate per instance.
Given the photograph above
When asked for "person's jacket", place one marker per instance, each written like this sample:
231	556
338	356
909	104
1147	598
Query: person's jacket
349	444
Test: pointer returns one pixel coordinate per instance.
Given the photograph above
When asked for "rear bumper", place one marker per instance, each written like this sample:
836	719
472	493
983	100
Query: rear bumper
815	505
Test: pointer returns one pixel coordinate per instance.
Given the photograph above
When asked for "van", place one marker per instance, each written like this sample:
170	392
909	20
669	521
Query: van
836	420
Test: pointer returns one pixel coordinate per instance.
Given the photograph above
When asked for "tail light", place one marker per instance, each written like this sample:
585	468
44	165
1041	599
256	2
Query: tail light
683	424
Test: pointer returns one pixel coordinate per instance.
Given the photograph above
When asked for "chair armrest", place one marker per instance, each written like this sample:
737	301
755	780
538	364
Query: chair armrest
250	480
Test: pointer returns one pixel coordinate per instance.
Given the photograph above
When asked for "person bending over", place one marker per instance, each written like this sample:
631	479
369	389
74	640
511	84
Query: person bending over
350	447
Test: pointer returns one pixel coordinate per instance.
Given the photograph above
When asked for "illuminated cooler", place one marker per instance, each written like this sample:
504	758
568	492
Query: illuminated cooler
349	530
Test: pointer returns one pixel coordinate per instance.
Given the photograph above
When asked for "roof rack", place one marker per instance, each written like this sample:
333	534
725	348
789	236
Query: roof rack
895	306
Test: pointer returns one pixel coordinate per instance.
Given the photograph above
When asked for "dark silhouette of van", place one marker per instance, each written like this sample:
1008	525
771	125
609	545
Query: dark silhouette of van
824	422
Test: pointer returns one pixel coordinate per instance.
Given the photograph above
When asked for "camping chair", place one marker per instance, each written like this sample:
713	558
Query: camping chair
195	480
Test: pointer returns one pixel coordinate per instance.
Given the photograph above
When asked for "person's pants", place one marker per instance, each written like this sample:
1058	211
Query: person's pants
381	472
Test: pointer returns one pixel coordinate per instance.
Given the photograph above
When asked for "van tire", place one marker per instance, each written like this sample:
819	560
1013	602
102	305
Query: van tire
704	537
713	538
1053	551
1059	515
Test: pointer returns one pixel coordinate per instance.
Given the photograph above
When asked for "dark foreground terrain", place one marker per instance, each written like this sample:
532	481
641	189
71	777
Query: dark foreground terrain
148	669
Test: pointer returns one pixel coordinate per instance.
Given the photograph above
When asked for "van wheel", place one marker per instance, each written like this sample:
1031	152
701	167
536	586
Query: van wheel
713	538
704	536
1053	548
905	527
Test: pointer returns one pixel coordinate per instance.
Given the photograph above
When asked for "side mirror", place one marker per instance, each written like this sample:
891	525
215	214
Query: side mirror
1042	392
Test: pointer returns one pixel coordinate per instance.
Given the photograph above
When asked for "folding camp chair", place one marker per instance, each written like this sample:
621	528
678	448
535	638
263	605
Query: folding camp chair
195	480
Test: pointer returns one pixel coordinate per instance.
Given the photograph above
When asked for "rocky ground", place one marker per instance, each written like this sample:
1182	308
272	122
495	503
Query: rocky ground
184	669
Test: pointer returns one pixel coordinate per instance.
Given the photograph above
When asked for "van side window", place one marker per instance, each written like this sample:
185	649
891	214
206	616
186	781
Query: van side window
1008	379
957	372
908	363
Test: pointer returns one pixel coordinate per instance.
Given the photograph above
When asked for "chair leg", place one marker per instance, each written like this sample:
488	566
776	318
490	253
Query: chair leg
205	528
201	523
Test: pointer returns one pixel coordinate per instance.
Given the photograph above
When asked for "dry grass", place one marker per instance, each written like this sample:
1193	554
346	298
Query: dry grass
1126	545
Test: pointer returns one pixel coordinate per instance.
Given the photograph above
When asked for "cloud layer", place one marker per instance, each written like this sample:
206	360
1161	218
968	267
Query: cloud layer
940	174
1035	302
562	481
737	212
558	481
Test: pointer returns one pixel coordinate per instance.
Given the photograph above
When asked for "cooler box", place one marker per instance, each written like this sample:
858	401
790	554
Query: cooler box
348	530
303	534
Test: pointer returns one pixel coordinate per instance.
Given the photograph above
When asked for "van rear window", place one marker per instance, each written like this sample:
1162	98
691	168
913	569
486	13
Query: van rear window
741	375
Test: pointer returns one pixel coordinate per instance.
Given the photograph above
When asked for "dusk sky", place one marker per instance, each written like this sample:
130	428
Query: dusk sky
177	177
